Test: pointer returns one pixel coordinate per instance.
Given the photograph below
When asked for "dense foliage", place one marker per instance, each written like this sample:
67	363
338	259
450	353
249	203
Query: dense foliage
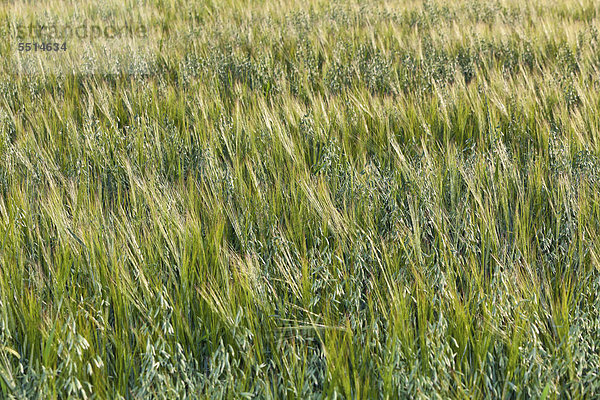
280	199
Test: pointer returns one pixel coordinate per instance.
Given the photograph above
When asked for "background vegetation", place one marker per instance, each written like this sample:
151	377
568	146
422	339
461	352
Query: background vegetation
279	199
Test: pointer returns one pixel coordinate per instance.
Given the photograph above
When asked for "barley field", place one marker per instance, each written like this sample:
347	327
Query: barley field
353	199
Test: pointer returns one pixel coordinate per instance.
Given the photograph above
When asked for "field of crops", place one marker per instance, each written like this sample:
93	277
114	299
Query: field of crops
286	199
